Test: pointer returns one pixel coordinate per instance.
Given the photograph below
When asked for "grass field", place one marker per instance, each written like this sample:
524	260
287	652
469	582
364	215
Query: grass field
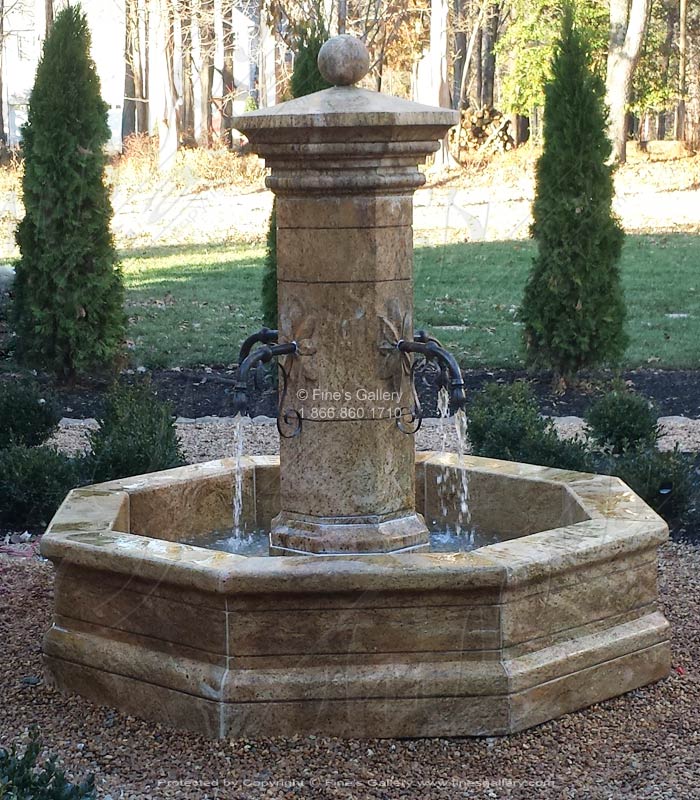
190	306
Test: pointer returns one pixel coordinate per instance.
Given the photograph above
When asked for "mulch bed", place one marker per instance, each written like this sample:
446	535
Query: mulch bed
198	393
644	745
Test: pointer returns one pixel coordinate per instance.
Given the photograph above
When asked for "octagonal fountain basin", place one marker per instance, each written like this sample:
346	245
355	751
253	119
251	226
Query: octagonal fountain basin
559	611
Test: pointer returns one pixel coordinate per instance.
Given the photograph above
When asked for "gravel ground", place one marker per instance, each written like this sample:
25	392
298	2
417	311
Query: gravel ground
643	745
214	437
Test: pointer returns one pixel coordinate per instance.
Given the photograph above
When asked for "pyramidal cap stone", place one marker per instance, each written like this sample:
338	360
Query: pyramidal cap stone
327	115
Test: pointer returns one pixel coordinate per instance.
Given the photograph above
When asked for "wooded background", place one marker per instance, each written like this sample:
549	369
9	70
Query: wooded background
476	55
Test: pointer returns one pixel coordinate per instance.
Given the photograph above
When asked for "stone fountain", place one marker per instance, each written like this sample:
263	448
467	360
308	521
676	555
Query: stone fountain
360	629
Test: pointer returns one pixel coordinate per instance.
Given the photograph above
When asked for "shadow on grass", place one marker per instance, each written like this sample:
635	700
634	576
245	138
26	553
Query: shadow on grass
467	294
183	250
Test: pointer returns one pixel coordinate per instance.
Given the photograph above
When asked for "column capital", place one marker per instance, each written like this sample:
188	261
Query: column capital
345	140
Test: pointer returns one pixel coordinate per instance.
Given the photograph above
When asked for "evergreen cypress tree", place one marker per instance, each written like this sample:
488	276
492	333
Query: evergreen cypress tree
573	308
269	283
68	291
305	79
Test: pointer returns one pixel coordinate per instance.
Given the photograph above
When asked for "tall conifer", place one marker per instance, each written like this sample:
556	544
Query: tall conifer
573	308
68	292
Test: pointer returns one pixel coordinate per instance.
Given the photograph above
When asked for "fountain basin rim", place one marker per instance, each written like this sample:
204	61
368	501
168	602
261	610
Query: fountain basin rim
85	532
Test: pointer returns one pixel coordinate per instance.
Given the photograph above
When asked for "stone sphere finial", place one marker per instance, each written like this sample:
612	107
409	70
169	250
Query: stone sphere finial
343	60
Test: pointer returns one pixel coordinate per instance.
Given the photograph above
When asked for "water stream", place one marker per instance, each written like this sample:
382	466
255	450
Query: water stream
443	406
238	474
453	491
465	516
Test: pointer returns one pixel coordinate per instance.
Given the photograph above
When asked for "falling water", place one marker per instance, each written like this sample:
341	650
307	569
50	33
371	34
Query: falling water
238	474
464	517
463	532
443	406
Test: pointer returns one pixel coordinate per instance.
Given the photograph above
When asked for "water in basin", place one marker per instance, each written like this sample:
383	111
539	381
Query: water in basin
256	543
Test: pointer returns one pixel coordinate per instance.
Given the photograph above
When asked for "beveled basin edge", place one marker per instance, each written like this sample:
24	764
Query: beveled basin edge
90	529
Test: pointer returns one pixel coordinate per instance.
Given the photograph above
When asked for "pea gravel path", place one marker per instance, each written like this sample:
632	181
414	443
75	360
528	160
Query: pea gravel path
214	437
643	745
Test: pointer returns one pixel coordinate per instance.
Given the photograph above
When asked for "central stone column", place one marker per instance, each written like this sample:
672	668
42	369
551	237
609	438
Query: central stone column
344	168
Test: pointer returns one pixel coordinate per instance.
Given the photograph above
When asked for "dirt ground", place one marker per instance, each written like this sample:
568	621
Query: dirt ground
487	200
197	393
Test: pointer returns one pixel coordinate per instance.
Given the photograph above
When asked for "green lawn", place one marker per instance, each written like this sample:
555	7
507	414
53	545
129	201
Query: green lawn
194	305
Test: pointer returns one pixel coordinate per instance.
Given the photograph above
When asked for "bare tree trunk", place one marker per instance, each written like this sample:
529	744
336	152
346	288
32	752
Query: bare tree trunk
478	77
476	31
439	11
129	105
380	63
458	68
164	90
521	129
692	103
186	113
207	40
135	108
488	56
227	72
3	138
48	14
146	67
460	51
666	51
461	94
679	132
627	31
173	98
139	47
342	15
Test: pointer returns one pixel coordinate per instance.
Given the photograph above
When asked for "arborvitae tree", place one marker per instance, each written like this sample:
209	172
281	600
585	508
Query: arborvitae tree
68	291
573	309
269	283
305	79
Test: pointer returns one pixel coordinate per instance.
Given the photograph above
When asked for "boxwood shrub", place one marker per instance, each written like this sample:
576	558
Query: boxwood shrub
28	416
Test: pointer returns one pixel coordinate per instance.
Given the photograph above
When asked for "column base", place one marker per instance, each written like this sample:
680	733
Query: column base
294	534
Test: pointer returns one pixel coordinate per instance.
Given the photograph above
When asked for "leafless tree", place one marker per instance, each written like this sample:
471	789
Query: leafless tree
388	27
207	46
682	70
3	139
135	108
186	116
227	70
628	25
6	8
